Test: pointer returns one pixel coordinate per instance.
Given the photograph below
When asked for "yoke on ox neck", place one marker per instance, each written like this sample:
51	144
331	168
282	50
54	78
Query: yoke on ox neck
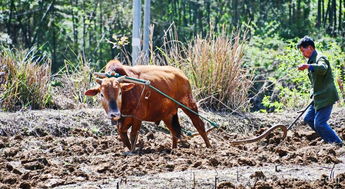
112	74
126	78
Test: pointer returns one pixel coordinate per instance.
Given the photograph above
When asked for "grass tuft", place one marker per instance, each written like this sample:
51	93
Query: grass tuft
24	81
71	82
215	69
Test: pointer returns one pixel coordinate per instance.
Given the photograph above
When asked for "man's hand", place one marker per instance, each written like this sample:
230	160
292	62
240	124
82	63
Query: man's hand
303	67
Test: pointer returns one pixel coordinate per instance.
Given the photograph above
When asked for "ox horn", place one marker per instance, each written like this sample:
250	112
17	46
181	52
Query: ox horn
100	75
99	81
121	79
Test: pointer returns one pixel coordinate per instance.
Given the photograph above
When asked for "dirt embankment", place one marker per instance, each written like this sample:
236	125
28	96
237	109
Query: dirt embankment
45	149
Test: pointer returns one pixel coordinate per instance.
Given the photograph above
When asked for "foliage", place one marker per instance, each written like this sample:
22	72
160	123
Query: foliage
68	27
286	19
81	36
26	80
63	28
278	84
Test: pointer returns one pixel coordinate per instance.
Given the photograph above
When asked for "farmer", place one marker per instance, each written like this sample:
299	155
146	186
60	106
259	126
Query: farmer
324	92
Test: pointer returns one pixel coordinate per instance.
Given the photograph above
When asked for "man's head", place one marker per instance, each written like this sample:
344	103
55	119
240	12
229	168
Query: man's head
306	46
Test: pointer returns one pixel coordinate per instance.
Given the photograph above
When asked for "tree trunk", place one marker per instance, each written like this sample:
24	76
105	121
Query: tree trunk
23	28
208	12
55	63
74	26
294	13
200	18
330	17
323	12
94	36
318	23
217	18
340	16
147	18
326	14
334	16
194	7
184	20
9	23
84	30
190	13
290	12
298	11
39	25
235	12
178	12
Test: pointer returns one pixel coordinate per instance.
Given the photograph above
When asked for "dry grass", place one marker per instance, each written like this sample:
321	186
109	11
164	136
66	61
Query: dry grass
70	83
214	67
25	83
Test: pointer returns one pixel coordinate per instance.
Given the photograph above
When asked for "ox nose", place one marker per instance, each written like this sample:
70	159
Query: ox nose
114	115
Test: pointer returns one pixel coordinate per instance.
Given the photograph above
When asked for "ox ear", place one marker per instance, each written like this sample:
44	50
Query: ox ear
127	86
92	92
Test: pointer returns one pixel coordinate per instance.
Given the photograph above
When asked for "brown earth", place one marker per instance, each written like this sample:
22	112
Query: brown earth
80	148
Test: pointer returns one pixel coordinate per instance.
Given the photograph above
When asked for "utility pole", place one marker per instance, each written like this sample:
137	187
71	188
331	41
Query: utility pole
147	15
136	31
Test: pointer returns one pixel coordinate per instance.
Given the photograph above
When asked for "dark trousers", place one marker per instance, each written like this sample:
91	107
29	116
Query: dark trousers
317	120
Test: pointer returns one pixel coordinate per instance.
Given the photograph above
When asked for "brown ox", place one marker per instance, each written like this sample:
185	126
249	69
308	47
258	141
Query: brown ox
130	104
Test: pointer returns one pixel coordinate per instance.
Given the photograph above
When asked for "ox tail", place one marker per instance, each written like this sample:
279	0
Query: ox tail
176	126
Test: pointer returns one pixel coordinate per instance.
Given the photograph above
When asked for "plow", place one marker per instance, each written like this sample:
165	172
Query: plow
284	128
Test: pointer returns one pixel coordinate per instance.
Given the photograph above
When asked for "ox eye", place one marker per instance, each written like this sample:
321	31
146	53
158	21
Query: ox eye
102	95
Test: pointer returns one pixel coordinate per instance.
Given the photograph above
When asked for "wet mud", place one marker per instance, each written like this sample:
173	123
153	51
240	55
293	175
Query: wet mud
67	148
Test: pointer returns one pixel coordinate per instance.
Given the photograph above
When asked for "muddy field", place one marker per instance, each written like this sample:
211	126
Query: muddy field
80	149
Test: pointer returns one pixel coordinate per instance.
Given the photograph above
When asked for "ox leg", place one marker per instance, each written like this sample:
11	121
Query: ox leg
198	123
175	129
122	131
134	134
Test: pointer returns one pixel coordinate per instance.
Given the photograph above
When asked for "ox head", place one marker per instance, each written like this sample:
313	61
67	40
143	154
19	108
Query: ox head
111	90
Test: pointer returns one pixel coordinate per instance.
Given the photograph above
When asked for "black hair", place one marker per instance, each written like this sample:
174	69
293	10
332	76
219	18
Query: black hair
305	42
